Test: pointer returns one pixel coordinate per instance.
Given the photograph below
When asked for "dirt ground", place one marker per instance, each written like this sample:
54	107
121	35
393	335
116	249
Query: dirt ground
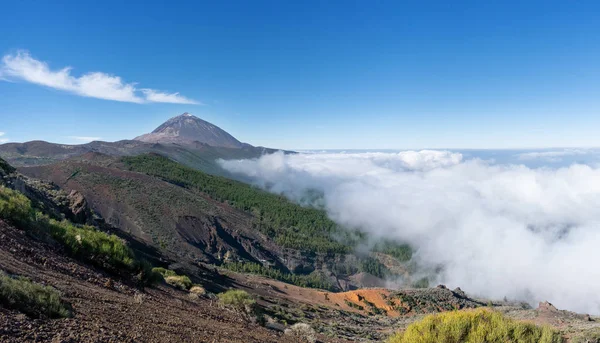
107	310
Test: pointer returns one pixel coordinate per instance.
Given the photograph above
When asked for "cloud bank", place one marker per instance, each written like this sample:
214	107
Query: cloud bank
2	138
497	230
21	66
553	155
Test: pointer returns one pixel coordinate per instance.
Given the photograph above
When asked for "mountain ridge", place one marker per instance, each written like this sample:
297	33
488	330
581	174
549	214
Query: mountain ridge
187	128
190	146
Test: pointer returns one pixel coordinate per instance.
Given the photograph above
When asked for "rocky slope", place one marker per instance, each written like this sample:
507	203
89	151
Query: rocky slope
160	214
108	307
187	129
185	224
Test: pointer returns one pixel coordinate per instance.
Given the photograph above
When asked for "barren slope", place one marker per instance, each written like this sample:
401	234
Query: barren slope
182	223
112	311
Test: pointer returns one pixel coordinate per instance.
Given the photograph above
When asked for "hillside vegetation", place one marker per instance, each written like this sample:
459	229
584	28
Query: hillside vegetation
83	242
313	280
31	298
289	224
474	326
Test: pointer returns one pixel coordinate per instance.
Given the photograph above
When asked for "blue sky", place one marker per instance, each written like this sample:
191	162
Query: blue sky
310	75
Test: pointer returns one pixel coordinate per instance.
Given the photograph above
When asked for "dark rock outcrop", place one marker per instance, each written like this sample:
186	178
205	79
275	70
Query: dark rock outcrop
48	197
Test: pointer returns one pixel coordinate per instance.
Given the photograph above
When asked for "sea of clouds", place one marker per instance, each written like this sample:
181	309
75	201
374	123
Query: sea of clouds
515	228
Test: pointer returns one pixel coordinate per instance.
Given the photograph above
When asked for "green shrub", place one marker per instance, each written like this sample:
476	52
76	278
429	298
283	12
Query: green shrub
244	304
15	207
31	298
588	336
164	272
83	242
147	275
474	326
198	290
180	281
92	245
302	332
238	300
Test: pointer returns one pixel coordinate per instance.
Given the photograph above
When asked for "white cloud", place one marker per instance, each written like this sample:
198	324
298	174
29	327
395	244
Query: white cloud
498	230
552	156
3	139
84	138
21	66
174	98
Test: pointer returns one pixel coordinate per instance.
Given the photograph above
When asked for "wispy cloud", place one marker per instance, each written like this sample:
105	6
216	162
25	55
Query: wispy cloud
174	98
84	138
21	66
2	138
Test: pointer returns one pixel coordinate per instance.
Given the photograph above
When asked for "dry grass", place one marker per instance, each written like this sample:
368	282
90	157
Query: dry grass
31	298
474	326
238	300
179	281
198	290
302	333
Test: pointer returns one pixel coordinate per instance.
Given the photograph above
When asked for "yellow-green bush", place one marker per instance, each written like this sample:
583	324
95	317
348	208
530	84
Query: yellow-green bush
31	298
92	244
180	281
164	272
237	299
198	290
588	336
14	206
146	274
474	326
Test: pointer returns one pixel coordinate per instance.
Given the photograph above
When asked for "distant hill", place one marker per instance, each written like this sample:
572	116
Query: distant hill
186	139
186	129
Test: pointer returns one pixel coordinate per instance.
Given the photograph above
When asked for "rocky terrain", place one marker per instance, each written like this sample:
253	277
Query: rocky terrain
218	233
106	309
187	129
184	224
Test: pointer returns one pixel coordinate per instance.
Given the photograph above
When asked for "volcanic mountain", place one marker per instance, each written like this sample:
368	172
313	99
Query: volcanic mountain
186	139
186	129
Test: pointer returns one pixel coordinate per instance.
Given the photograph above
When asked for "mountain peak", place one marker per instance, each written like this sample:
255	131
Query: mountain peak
187	128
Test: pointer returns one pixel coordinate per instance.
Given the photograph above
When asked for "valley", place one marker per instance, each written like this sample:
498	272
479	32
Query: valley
162	201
